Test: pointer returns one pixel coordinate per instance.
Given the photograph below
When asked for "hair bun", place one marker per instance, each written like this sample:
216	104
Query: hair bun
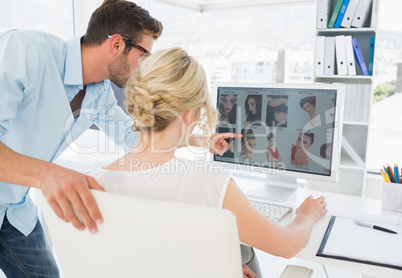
141	104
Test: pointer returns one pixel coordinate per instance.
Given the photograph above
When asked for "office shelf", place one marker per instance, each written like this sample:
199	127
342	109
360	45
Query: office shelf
357	106
354	123
346	31
334	78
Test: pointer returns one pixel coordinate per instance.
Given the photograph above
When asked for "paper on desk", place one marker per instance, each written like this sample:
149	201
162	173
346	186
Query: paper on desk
355	242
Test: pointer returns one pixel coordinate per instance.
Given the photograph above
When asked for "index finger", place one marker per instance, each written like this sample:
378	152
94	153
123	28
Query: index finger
230	135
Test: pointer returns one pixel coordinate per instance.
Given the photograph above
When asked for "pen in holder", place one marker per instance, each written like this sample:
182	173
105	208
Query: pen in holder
392	196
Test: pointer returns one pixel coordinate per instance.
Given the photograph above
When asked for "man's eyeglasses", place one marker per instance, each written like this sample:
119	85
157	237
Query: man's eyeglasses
136	45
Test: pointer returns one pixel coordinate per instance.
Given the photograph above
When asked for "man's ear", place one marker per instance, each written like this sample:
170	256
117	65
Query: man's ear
116	45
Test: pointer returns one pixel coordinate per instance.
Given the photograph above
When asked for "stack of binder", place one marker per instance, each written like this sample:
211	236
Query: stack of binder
346	13
337	55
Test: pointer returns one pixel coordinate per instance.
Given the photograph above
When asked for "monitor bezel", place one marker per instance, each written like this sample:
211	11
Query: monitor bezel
337	139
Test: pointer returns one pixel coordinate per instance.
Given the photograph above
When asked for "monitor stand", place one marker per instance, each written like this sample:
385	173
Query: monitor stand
276	188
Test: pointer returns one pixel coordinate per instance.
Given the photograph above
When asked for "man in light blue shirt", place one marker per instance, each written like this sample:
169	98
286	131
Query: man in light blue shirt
40	75
51	91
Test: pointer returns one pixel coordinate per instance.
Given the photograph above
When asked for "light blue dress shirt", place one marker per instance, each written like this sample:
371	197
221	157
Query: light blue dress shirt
39	75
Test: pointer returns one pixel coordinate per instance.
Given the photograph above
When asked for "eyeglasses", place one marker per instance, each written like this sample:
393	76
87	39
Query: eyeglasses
139	47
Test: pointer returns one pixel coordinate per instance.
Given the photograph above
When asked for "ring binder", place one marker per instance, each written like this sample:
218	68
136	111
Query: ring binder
359	57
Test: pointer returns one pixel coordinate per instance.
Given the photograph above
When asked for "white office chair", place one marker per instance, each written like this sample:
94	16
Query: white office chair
148	238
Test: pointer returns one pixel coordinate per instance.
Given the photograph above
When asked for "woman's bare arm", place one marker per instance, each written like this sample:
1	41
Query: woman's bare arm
258	231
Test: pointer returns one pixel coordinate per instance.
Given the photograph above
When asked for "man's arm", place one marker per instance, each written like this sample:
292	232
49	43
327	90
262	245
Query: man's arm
19	74
63	188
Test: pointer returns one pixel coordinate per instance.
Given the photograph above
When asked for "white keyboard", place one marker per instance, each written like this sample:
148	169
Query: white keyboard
273	212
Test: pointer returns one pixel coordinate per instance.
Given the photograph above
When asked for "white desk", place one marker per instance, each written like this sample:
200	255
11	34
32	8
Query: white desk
337	205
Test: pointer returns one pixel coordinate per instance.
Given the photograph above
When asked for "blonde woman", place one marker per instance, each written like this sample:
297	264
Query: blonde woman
167	97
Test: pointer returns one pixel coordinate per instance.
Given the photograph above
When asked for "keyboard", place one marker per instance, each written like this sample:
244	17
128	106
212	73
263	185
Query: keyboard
274	212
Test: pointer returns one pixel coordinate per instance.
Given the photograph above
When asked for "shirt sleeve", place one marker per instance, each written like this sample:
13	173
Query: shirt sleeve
19	71
116	124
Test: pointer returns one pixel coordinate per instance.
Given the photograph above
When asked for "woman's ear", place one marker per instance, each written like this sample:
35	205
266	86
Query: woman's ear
191	116
188	117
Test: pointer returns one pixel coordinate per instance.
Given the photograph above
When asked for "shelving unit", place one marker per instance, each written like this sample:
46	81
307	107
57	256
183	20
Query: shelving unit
357	106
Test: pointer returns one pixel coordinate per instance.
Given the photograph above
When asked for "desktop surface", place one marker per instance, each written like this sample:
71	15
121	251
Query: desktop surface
338	204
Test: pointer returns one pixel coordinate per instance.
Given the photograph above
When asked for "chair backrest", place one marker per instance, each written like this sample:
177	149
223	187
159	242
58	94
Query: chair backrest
148	238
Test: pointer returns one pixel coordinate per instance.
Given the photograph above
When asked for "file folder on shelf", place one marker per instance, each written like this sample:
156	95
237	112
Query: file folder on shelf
359	57
340	52
335	13
324	9
362	14
374	13
319	56
349	13
329	56
371	56
341	14
350	57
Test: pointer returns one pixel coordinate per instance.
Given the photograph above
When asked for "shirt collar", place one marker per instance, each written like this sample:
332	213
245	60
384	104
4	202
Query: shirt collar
73	73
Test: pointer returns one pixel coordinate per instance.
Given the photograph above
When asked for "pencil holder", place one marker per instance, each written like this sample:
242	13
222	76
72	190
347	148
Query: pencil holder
392	196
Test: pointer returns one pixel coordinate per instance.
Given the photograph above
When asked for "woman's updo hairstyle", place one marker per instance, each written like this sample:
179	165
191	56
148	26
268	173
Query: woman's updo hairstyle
168	83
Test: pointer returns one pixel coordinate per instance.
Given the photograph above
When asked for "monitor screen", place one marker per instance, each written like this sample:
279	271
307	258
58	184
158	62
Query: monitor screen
287	129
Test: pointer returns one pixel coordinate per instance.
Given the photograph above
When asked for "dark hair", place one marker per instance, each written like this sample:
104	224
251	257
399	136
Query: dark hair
120	17
311	136
271	111
323	149
250	117
247	134
270	136
232	113
281	108
310	100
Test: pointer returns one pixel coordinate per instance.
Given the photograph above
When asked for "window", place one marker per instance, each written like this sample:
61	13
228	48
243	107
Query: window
238	42
55	17
386	113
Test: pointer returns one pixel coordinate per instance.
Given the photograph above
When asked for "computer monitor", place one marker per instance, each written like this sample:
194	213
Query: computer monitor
289	132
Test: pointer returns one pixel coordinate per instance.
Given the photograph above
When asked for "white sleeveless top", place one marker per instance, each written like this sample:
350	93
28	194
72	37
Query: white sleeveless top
178	180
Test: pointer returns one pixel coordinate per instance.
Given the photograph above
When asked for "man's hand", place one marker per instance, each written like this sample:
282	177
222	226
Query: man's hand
219	144
247	273
63	188
66	191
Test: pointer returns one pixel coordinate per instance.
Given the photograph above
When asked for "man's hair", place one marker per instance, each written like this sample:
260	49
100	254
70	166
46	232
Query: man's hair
120	17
